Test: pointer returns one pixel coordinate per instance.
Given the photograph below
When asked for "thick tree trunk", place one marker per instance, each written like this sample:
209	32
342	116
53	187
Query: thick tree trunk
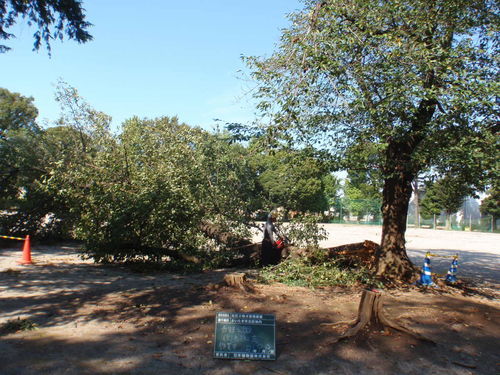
448	221
392	261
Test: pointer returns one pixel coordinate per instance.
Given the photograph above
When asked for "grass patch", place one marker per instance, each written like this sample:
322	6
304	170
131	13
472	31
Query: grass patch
316	271
13	326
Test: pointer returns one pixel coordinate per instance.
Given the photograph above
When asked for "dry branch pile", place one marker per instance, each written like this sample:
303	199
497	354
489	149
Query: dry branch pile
352	255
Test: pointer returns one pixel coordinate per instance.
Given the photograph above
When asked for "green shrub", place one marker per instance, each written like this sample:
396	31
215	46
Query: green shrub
305	231
17	325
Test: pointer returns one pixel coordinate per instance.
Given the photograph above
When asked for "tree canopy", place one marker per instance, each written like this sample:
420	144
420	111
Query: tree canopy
491	205
16	112
25	151
446	194
18	128
295	180
53	19
400	86
150	191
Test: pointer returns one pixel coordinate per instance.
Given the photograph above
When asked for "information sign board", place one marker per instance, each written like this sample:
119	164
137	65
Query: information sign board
245	336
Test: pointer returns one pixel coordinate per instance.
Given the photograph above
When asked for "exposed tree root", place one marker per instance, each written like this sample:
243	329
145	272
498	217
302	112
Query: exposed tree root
348	322
370	313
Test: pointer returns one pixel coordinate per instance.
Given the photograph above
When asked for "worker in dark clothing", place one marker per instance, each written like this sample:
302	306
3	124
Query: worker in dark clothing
270	254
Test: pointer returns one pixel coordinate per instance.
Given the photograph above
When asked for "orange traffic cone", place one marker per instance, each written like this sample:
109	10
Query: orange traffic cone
26	252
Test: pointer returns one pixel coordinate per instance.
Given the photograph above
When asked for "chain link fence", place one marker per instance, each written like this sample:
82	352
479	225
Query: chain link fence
355	211
367	212
457	221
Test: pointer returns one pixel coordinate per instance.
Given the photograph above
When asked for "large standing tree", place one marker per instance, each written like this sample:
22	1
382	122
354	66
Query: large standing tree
53	19
491	205
446	194
16	112
26	152
400	86
294	180
362	194
18	130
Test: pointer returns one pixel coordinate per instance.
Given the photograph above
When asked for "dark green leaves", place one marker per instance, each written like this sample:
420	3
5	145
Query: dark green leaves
53	19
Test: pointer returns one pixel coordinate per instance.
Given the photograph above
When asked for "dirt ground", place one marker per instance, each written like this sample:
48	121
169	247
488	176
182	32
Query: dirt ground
95	319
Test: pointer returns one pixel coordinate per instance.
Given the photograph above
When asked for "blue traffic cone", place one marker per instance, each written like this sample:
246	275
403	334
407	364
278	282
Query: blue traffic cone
425	275
451	277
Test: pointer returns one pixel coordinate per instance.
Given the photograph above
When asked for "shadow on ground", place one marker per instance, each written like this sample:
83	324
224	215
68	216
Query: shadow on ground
472	264
105	320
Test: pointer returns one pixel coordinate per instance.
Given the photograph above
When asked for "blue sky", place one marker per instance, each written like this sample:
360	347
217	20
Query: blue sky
152	58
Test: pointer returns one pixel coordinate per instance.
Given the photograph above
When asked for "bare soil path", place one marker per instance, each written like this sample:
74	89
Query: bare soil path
95	319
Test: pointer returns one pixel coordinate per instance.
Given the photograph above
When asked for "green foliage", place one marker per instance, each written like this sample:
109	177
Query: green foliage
294	180
18	140
316	271
19	163
430	206
491	204
401	87
22	155
446	194
28	153
364	69
305	231
331	188
13	326
377	82
16	112
362	192
53	19
150	190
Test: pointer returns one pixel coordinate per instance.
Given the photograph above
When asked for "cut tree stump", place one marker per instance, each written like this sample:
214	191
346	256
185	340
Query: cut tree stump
371	314
237	280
